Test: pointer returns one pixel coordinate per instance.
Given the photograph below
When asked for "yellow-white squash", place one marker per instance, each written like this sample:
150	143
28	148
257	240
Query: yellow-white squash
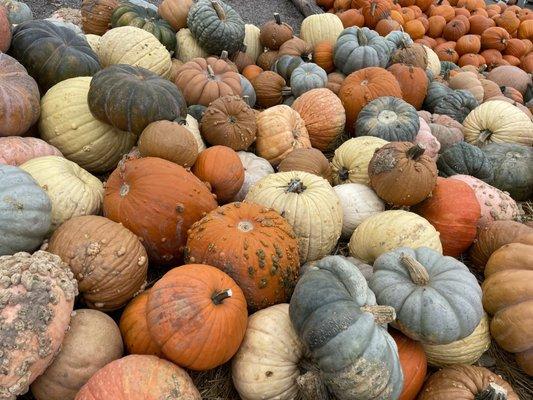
321	27
72	190
351	159
267	364
252	42
433	64
192	125
67	123
389	230
134	46
187	47
309	204
94	41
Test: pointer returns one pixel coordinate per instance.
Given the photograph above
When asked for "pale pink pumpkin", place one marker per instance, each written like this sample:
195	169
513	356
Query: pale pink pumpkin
425	138
16	150
495	204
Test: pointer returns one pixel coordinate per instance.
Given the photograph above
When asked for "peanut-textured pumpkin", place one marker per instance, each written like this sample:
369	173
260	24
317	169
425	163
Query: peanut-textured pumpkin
321	27
413	82
16	150
230	122
175	12
139	376
96	15
323	115
19	98
92	341
72	190
39	293
454	211
108	261
255	168
413	362
200	327
467	382
187	48
253	245
390	229
401	174
307	160
158	201
436	298
507	296
309	204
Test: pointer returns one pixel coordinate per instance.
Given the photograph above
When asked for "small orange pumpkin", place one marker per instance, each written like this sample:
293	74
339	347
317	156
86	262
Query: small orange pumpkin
468	44
323	55
495	38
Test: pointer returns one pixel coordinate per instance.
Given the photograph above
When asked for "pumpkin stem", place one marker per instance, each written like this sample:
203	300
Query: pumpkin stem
219	297
416	151
344	174
224	55
361	38
484	136
277	18
210	71
219	10
492	392
286	91
295	186
382	314
417	271
311	386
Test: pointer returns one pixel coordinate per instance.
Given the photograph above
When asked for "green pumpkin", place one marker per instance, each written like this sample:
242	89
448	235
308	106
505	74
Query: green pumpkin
446	67
127	14
457	104
216	26
436	298
197	111
130	98
285	65
306	77
52	53
358	48
25	211
399	39
248	92
388	118
513	168
17	11
465	159
335	315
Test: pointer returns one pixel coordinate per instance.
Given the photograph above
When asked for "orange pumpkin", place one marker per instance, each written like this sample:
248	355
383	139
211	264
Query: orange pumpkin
351	18
198	315
512	60
414	364
462	11
455	29
471	59
468	44
491	56
480	23
413	83
446	52
525	29
323	56
251	71
495	38
374	10
407	14
454	211
527	63
427	41
446	11
385	26
508	21
415	29
436	26
480	11
515	48
158	201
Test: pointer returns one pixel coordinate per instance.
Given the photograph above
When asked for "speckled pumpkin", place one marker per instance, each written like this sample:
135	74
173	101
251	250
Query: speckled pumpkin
16	150
96	15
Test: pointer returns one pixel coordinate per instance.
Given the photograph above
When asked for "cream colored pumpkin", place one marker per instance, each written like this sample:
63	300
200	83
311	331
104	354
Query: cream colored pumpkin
280	130
255	168
497	121
67	123
72	190
187	47
351	159
433	64
309	204
192	125
267	364
94	41
134	46
321	27
358	202
468	81
252	42
464	351
389	230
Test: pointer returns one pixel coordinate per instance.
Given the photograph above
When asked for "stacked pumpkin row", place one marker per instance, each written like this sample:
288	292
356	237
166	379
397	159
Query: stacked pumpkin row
246	256
467	32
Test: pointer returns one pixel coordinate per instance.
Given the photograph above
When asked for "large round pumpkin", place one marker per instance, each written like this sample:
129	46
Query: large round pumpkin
253	245
309	204
92	341
413	362
202	326
139	376
158	201
96	15
72	190
16	150
321	27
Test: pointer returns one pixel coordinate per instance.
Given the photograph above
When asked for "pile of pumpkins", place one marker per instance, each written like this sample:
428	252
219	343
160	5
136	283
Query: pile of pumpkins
310	200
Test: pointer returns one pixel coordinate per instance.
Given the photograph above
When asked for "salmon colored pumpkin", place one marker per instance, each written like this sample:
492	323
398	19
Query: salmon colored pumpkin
413	362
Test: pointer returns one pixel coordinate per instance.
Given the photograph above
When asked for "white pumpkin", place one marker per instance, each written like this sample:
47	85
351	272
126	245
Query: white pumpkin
321	27
192	125
389	230
255	168
267	364
72	190
187	47
252	42
309	204
433	64
134	46
94	41
358	202
67	123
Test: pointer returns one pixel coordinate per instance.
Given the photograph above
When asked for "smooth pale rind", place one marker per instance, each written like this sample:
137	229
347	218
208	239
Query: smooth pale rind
252	42
321	27
187	47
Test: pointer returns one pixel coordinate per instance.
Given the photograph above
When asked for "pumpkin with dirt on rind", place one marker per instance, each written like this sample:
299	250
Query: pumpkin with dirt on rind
16	150
307	160
5	30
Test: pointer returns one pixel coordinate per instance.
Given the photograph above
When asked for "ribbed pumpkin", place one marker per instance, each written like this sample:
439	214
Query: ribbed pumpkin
309	204
323	56
96	15
175	12
321	27
72	190
391	229
187	48
252	42
17	150
324	117
467	159
158	201
67	123
201	327
413	82
270	89
253	245
308	160
108	260
413	362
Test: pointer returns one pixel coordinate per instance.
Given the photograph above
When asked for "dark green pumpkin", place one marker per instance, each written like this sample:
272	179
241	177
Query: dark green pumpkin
196	111
52	53
465	159
285	65
388	118
127	14
216	26
130	98
440	99
446	67
436	91
17	11
513	168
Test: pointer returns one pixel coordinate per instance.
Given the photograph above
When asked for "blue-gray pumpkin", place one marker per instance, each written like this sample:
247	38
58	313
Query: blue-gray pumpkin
399	39
335	315
358	48
436	298
248	92
285	65
306	77
25	211
440	99
463	158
